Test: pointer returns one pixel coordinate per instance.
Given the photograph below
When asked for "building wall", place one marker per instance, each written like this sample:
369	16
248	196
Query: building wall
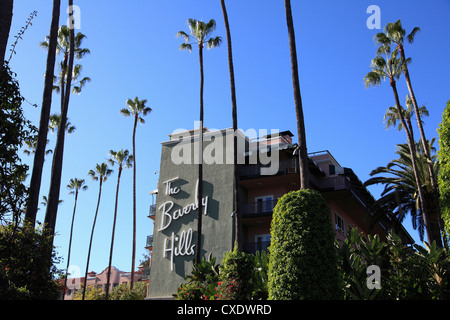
168	268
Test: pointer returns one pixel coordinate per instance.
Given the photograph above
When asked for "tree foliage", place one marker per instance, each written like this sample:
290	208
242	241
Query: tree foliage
302	261
14	131
444	162
407	272
25	270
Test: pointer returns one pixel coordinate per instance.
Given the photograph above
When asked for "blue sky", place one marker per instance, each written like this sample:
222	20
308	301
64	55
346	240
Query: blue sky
134	52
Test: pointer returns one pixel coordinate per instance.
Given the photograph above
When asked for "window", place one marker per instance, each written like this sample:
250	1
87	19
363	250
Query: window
262	242
339	222
264	203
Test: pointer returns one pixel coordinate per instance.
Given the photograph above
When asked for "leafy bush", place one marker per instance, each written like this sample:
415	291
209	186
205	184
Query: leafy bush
237	270
202	281
303	263
443	156
123	292
407	272
355	254
242	276
27	261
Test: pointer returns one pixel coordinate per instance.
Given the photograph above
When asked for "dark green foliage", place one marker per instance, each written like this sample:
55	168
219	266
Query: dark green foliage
355	255
238	270
14	130
303	263
444	162
407	272
242	276
24	265
201	281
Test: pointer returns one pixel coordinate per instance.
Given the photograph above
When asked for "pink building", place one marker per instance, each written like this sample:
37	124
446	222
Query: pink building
100	280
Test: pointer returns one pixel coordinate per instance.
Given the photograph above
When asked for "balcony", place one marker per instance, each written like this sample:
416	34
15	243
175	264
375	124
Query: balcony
252	247
259	208
287	166
152	211
149	243
145	273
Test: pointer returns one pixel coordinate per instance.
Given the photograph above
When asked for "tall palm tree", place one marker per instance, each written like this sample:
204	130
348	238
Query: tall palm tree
200	34
124	160
69	45
237	215
400	192
394	33
136	108
75	185
38	163
63	46
391	68
6	14
303	153
101	174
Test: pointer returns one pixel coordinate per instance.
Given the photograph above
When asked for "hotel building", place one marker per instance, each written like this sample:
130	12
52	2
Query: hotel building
268	168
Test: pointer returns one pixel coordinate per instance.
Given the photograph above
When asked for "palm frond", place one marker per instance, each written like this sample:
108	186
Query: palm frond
412	35
184	35
125	112
213	42
186	46
373	79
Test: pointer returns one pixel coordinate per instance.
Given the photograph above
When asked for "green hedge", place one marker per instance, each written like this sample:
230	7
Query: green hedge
303	263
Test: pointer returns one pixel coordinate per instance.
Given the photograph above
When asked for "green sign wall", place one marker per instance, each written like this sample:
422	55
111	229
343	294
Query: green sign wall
175	228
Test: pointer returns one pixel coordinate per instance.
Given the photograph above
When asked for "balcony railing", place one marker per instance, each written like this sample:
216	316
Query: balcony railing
146	274
258	208
152	211
149	242
287	166
252	247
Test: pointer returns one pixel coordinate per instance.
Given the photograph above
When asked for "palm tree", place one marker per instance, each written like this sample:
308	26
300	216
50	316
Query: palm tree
391	117
123	160
75	185
391	68
400	192
38	163
200	33
237	217
6	14
100	174
136	108
69	45
63	47
303	153
394	33
52	126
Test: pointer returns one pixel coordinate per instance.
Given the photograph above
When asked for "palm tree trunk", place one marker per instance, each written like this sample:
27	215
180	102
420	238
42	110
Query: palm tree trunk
412	148
112	236
200	161
423	138
237	216
92	235
133	253
36	176
70	242
6	14
55	184
303	154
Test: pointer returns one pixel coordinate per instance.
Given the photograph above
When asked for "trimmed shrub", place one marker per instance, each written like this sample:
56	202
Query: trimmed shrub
236	273
303	262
